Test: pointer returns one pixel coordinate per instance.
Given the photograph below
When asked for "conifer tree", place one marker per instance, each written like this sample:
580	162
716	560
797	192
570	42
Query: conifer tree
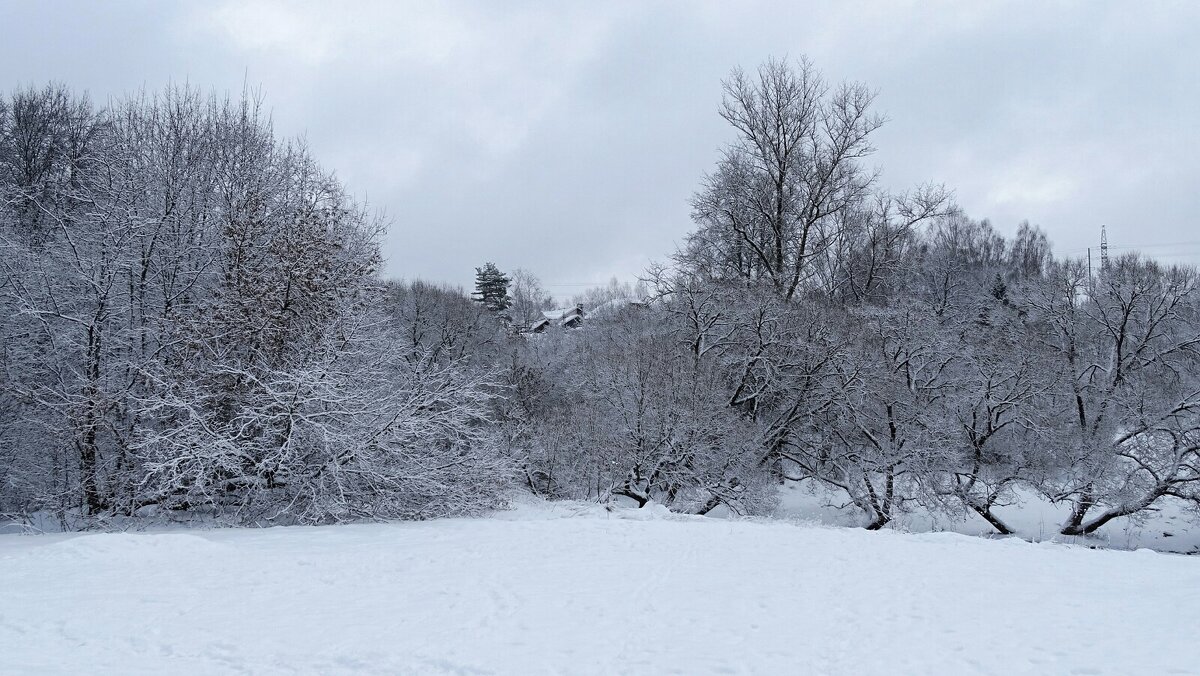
491	288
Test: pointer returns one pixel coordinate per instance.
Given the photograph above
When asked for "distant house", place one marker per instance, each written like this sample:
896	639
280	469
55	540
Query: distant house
573	317
570	318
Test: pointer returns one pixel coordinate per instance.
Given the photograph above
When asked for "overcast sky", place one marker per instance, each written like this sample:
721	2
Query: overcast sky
567	138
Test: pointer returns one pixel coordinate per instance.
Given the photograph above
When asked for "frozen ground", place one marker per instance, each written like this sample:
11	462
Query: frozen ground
1170	526
575	589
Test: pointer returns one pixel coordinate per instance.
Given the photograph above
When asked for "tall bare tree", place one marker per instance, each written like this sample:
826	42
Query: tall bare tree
775	199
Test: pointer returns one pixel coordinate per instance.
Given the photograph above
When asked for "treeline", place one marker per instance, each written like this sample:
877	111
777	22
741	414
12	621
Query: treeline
818	328
194	321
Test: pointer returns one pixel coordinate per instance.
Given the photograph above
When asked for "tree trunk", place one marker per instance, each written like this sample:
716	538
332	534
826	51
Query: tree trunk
709	506
88	452
1124	509
1078	511
642	500
986	513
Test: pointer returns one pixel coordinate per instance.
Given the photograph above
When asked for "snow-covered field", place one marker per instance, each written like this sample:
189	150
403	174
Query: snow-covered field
571	588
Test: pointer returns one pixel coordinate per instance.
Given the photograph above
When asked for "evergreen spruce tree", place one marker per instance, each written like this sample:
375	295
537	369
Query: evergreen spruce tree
491	288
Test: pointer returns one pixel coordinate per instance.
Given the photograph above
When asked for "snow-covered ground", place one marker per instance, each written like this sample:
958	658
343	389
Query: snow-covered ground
568	588
1169	526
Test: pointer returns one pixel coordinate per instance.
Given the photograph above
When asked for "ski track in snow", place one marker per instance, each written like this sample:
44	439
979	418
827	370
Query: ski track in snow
552	589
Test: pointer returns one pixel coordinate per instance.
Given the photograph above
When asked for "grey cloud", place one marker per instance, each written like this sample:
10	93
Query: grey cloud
566	139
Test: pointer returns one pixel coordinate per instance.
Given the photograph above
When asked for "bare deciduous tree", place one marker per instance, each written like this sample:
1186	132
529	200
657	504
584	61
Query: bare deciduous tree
775	200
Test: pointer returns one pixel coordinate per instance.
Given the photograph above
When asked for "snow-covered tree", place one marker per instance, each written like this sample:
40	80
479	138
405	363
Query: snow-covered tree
1127	347
529	299
194	320
777	196
491	288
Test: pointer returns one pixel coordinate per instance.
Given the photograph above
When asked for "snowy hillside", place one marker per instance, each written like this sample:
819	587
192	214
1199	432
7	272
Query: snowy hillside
572	588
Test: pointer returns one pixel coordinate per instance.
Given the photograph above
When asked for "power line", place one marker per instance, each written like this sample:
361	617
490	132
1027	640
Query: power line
1155	246
1138	247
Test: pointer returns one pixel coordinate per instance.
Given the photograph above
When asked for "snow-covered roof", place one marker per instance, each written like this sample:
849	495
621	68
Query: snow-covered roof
563	313
611	307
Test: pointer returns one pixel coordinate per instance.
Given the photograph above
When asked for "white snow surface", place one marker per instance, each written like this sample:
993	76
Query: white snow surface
569	588
1169	526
